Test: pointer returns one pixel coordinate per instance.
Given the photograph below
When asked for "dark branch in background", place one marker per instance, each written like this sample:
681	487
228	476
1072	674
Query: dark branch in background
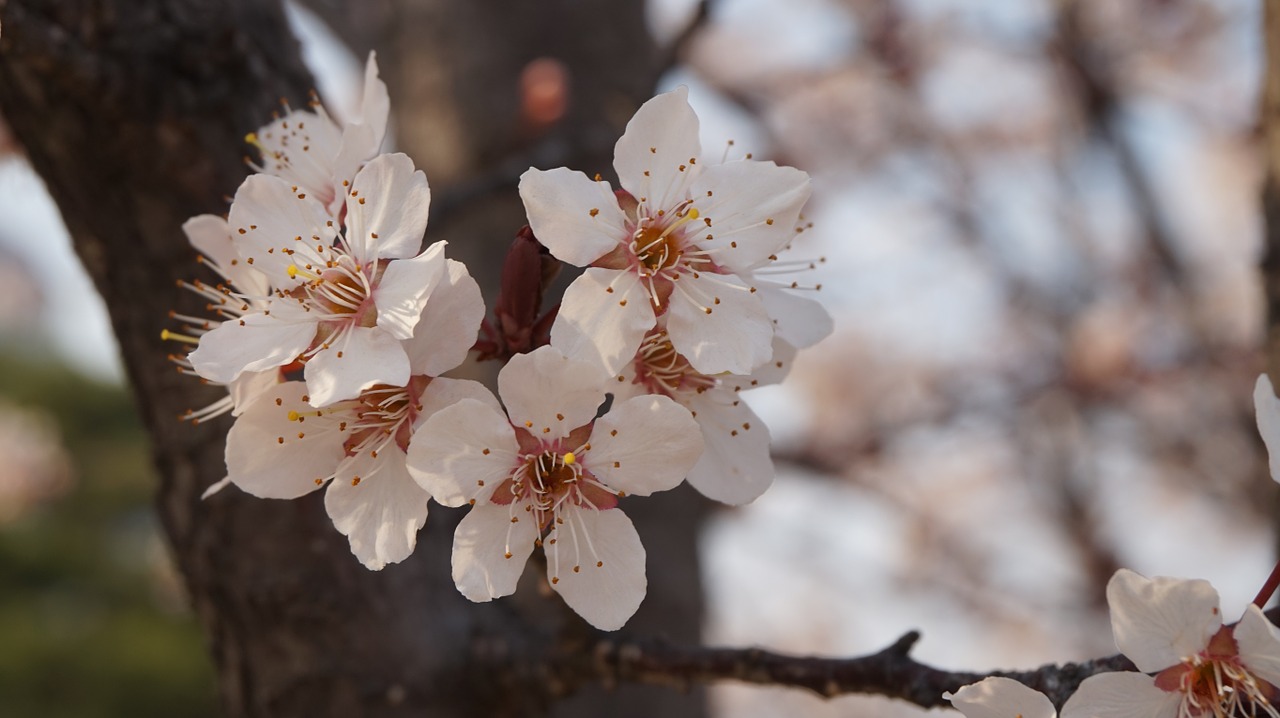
891	672
674	52
1102	106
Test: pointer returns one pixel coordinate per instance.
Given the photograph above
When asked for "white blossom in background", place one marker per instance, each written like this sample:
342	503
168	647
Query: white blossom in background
547	472
1173	628
307	149
1267	409
685	239
736	466
283	447
999	697
342	302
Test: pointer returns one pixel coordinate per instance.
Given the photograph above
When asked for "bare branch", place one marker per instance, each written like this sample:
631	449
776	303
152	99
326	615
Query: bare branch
890	672
1101	104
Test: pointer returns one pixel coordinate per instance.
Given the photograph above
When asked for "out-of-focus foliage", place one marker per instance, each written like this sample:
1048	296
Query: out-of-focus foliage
92	621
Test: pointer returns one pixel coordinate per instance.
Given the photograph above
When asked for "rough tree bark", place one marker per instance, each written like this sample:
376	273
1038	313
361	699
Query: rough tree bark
134	114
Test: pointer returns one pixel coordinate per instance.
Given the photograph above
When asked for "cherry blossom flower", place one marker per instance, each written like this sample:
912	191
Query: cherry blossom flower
548	473
228	300
999	697
283	448
735	467
343	307
308	149
1173	628
683	239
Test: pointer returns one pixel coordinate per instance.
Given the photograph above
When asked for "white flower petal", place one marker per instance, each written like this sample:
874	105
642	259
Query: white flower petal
447	329
375	105
549	393
359	145
266	456
300	148
602	326
246	388
1267	407
1121	695
1259	643
801	321
753	207
216	487
404	289
577	218
210	235
659	139
735	468
490	552
609	582
623	386
268	217
252	343
443	392
999	697
462	452
643	445
1159	621
360	358
381	514
772	371
736	337
362	137
390	199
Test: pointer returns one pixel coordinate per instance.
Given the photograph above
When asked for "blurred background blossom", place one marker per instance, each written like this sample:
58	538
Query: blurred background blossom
1041	229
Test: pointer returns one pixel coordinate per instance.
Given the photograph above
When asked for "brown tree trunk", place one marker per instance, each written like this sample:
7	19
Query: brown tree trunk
134	114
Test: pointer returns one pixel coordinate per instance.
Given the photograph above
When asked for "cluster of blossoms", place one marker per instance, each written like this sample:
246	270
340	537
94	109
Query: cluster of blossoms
1190	664
331	330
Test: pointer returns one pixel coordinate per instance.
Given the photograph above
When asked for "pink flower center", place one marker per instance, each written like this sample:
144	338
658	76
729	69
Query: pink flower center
665	242
661	248
547	479
1215	683
341	292
662	370
384	415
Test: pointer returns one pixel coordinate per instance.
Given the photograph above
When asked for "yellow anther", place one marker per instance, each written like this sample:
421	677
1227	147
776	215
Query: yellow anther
569	458
168	336
689	215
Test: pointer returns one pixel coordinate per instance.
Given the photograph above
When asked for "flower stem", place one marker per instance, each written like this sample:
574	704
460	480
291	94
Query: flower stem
1268	588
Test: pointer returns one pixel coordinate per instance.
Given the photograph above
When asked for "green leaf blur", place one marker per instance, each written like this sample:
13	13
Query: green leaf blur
92	621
